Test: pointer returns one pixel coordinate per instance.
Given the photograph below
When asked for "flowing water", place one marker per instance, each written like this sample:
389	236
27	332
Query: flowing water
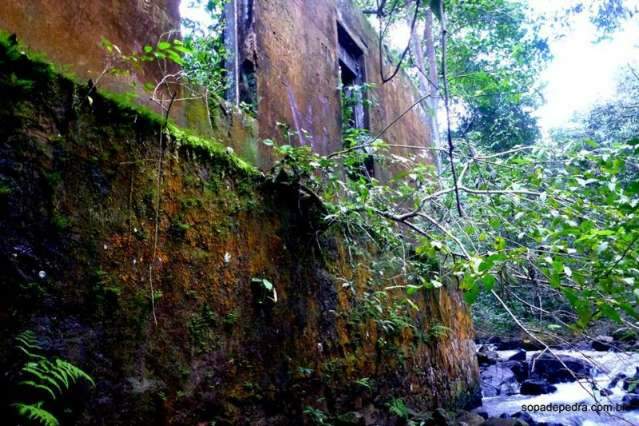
575	399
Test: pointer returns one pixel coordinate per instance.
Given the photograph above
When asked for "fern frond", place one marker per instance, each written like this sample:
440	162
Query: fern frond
35	412
30	355
31	344
35	385
74	372
41	372
60	374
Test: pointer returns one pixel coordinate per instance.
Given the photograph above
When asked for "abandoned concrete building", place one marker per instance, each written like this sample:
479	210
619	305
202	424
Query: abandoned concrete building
296	54
85	208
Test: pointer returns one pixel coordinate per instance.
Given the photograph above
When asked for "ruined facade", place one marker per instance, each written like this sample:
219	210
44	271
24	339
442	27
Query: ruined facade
301	54
86	211
289	58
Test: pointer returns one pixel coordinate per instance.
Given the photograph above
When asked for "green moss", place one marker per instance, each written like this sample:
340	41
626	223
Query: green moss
179	228
190	203
5	190
201	327
53	179
42	69
60	221
213	148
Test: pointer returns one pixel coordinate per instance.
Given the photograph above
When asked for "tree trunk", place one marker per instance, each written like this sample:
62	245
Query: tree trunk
434	84
427	78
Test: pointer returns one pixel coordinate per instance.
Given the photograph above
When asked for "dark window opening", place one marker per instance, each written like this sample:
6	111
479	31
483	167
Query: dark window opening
242	88
352	78
248	85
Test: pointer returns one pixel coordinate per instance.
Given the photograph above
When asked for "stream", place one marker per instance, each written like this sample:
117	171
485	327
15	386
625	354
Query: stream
571	403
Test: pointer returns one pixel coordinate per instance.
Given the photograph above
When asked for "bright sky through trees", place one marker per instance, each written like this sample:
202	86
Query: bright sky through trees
582	71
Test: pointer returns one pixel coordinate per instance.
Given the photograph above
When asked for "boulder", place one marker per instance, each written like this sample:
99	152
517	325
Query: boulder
519	369
499	379
508	345
615	380
531	345
441	417
605	392
602	343
536	387
559	370
519	356
487	358
469	419
630	402
525	417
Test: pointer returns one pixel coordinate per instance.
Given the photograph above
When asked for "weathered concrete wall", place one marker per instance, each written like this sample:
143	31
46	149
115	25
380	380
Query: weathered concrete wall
78	202
298	75
69	32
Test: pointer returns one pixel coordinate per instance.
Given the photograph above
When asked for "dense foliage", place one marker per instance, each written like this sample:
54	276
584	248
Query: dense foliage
547	226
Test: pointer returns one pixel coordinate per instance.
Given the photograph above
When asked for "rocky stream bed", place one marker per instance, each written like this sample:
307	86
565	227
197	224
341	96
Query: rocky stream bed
589	383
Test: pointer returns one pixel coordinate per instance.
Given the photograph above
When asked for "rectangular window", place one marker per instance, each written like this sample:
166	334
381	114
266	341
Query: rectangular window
351	65
239	15
352	78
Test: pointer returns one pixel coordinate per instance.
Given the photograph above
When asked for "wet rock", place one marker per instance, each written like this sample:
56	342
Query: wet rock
441	417
605	392
531	345
630	402
616	380
519	369
508	345
498	421
525	417
559	369
469	419
483	414
485	348
536	387
487	358
602	343
519	356
499	380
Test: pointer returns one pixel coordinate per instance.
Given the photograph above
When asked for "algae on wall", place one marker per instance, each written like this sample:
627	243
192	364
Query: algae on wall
78	210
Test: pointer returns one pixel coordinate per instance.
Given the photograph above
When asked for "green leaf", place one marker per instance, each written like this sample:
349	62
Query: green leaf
35	412
413	289
610	312
470	295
